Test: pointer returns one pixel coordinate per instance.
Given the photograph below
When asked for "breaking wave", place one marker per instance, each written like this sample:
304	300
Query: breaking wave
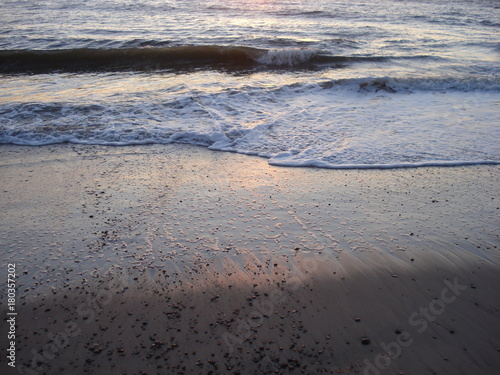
171	58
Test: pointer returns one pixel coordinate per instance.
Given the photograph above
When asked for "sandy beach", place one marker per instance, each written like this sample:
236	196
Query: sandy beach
173	259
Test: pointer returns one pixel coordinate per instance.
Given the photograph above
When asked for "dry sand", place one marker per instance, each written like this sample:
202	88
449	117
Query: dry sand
178	260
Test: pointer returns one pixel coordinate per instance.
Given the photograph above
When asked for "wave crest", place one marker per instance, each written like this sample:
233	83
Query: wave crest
148	56
289	57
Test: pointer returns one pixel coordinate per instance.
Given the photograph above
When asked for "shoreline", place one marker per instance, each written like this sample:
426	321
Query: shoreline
237	266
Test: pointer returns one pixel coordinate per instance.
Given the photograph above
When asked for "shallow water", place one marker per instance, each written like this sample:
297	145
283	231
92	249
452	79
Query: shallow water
310	83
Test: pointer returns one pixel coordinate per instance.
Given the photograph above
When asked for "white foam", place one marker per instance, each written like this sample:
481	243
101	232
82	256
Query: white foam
289	57
353	123
406	84
321	164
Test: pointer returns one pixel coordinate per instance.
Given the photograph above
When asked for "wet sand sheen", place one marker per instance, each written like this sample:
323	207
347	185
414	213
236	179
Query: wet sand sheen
173	259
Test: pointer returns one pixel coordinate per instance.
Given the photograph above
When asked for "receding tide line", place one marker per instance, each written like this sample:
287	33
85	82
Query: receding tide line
322	164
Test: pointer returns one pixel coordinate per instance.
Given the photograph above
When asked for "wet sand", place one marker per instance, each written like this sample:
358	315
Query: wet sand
178	260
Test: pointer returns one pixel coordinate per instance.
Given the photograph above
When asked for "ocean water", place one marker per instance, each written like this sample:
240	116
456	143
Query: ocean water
337	84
